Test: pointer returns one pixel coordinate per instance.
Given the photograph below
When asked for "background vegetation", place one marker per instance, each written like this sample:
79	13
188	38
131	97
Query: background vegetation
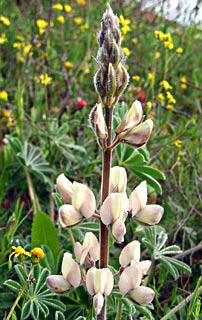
46	94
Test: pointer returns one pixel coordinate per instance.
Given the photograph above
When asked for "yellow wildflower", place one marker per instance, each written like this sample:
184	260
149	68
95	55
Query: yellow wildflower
82	2
57	6
151	76
68	65
27	49
161	97
170	97
19	252
179	50
135	40
84	27
136	78
42	25
86	70
168	45
3	38
149	104
127	51
157	54
183	82
123	21
67	8
5	113
19	58
78	20
3	95
169	107
165	84
177	143
18	45
45	79
20	38
44	55
38	253
159	35
5	20
61	19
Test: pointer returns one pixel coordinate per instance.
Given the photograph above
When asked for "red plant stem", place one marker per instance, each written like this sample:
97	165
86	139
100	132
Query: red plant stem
104	232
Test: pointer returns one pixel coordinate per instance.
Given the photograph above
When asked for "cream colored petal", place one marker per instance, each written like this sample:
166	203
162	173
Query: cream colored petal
114	207
90	280
65	188
144	265
98	301
78	251
68	216
99	280
131	118
118	179
139	135
109	283
130	278
150	215
70	270
94	250
118	230
83	200
131	252
138	198
57	284
142	295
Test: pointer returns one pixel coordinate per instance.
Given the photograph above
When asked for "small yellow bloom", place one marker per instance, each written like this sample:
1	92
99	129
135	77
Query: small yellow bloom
67	8
168	45
161	97
57	6
5	20
19	251
127	52
136	78
82	2
3	38
45	79
86	70
135	40
151	76
165	84
169	107
123	21
177	143
179	50
84	27
61	19
27	49
149	104
5	113
44	55
68	65
18	45
124	30
78	20
159	35
42	25
19	58
157	54
170	97
3	95
183	82
37	253
20	38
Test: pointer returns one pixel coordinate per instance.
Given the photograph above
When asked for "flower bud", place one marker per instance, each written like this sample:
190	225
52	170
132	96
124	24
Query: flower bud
122	80
118	230
65	188
97	121
57	284
139	135
69	216
99	83
98	301
83	200
142	295
118	179
132	118
138	198
150	215
90	249
99	280
130	254
111	82
70	270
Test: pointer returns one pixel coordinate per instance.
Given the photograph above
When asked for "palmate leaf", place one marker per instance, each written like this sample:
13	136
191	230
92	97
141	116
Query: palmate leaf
169	266
144	311
59	315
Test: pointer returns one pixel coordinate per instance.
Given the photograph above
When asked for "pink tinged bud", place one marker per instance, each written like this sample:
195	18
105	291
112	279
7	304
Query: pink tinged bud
150	215
65	188
130	254
70	270
142	295
99	280
130	279
57	284
98	122
69	216
118	230
139	135
132	118
118	179
138	198
113	208
90	248
98	301
83	200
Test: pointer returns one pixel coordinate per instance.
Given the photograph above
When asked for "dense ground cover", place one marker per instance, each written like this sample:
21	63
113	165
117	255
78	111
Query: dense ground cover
46	94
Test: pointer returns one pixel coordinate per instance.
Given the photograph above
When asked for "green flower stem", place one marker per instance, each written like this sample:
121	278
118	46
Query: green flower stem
104	232
32	192
19	294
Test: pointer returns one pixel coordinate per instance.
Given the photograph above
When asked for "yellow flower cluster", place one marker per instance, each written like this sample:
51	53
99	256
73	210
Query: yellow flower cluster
179	50
35	254
165	38
3	38
136	78
3	95
127	52
124	25
6	118
45	79
42	25
184	82
5	20
168	97
68	65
